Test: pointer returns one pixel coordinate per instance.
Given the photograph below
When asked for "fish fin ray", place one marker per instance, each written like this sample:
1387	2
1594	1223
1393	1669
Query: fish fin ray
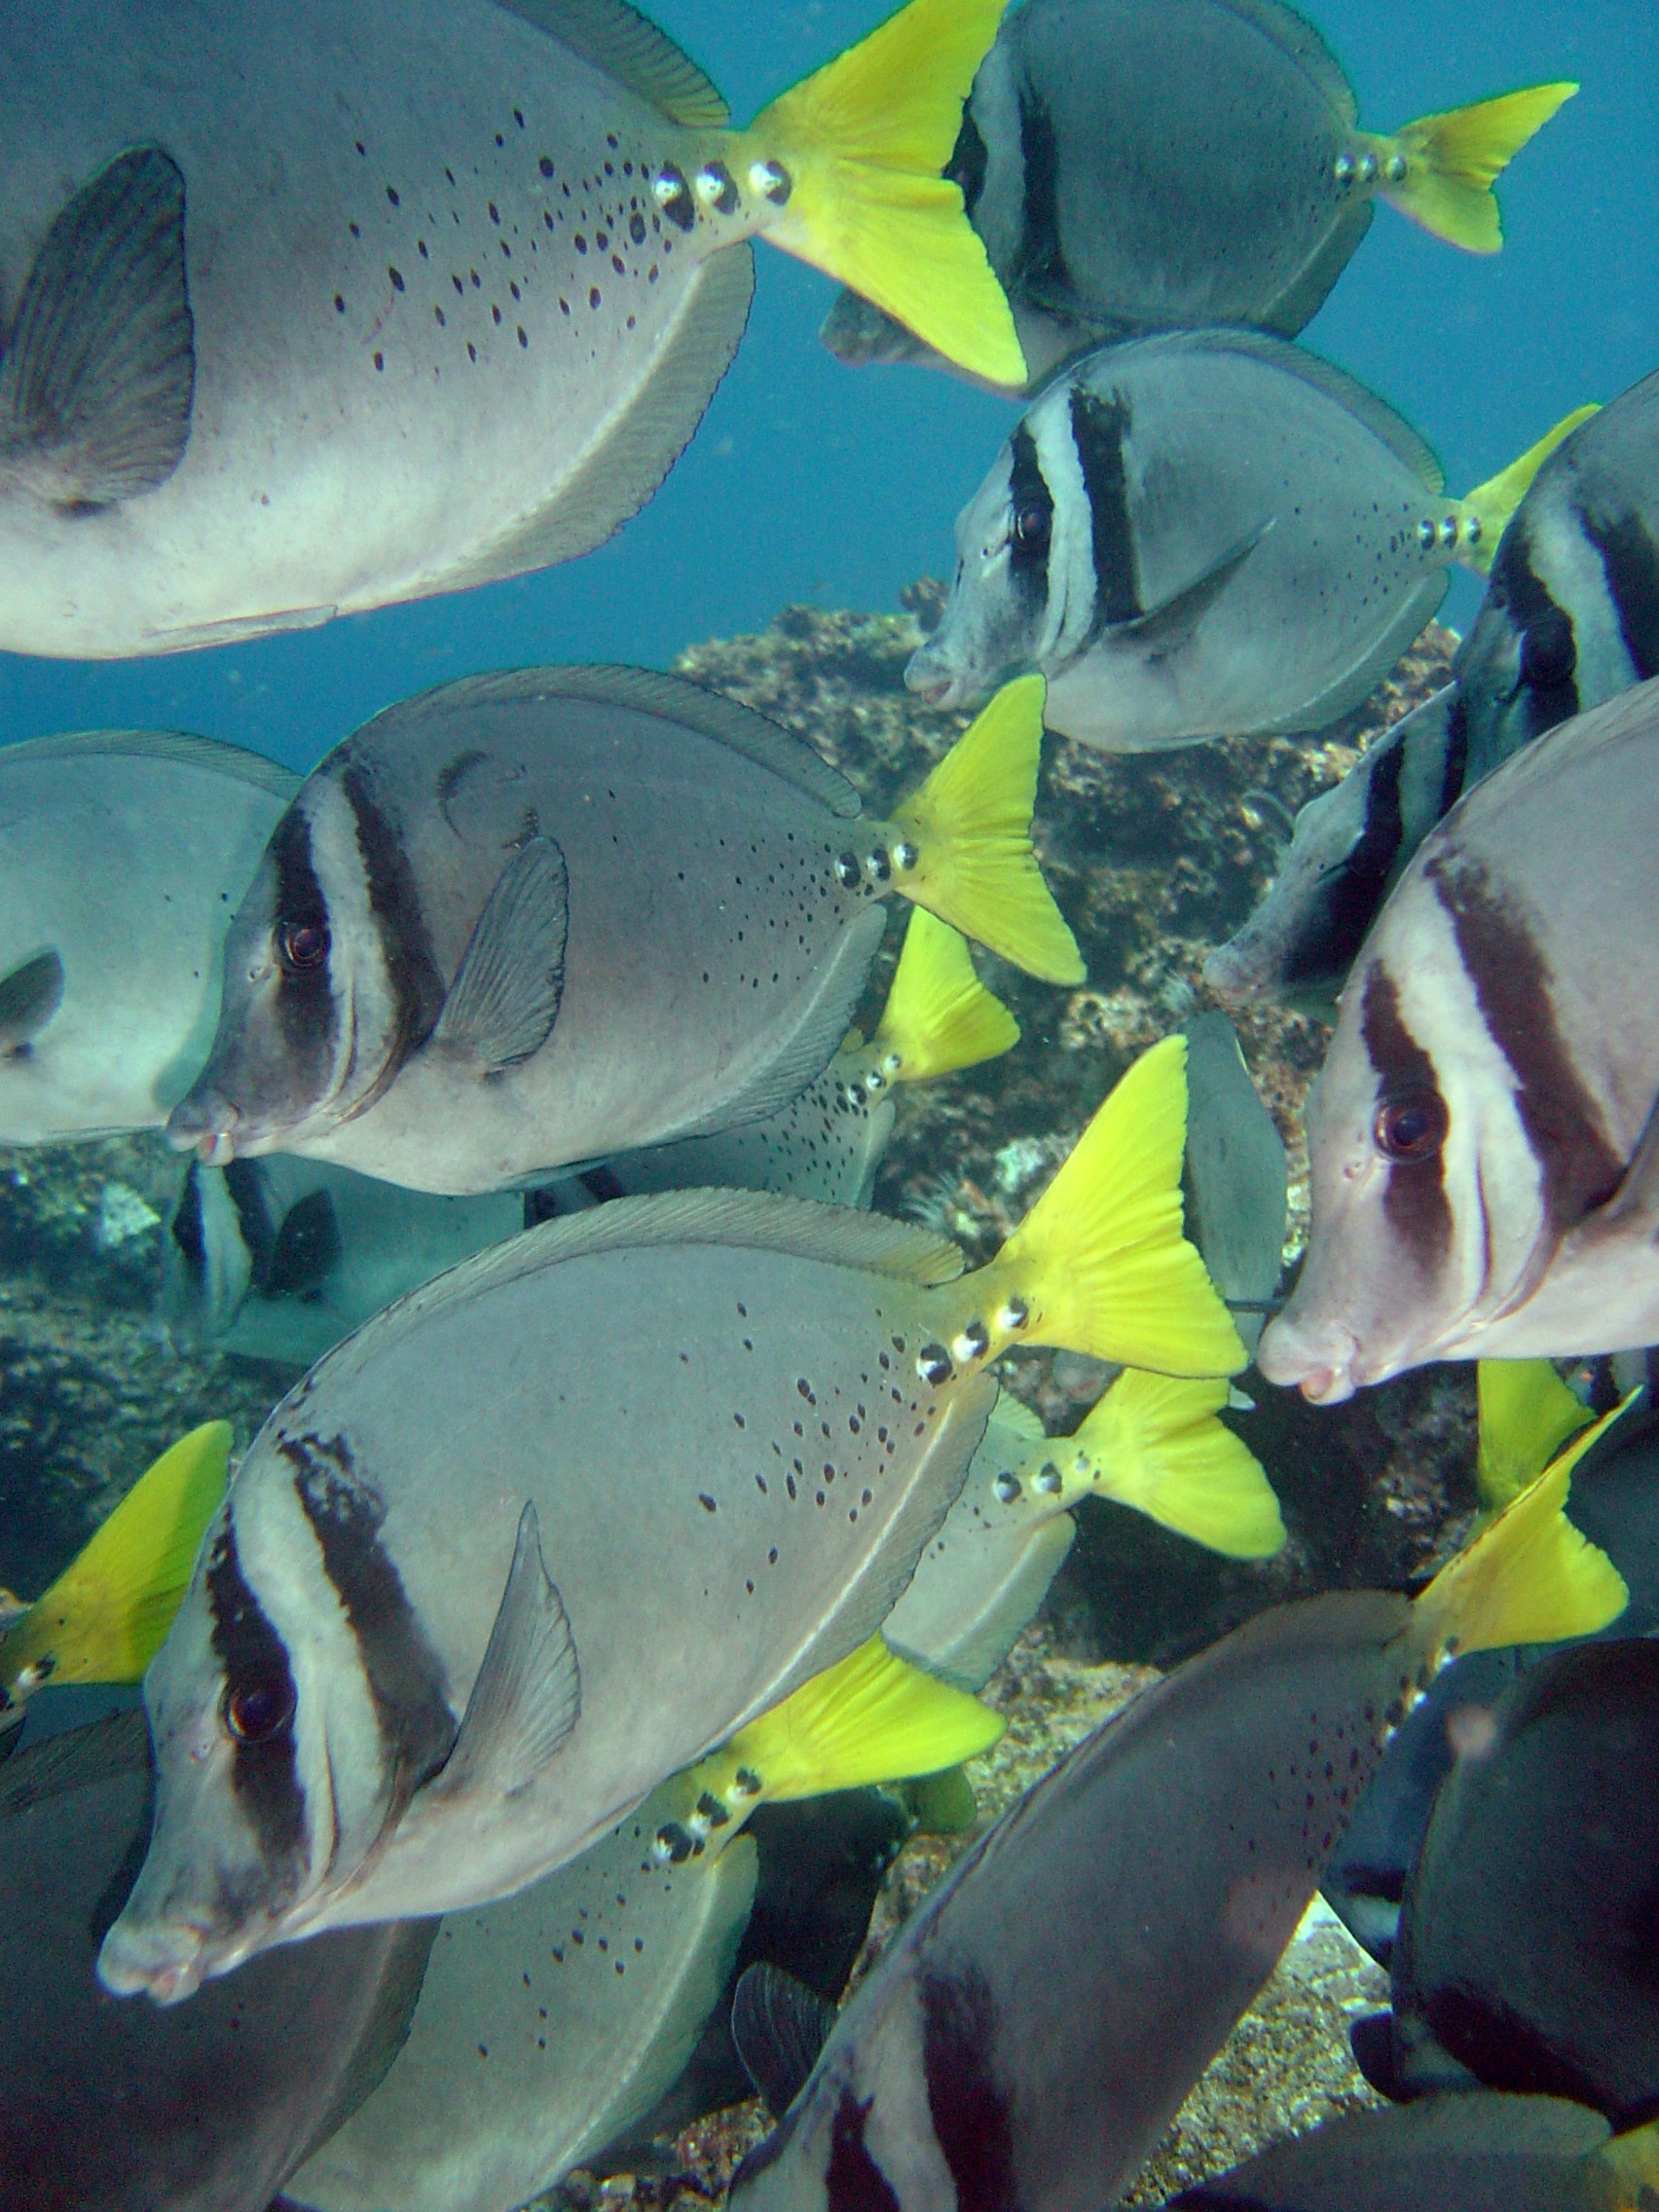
1492	502
1305	294
1526	1414
505	999
626	46
779	2026
1156	1444
864	141
528	1694
938	1016
207	753
1357	684
1294	36
1168	625
971	1662
1016	1417
1452	161
119	1745
99	378
30	996
971	825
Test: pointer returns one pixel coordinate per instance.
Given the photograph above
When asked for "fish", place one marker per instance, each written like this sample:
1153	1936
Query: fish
1204	534
1236	1178
1479	1134
829	1142
552	2023
529	920
463	1607
1129	1907
210	2106
1349	847
429	294
1477	2152
1196	166
104	1617
280	1258
1153	1442
107	1004
1524	1957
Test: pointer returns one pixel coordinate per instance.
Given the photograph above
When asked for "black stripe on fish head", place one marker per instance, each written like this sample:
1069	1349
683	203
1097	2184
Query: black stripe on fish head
1099	427
971	2116
186	1229
1030	521
307	1014
853	2182
1547	683
1040	265
1630	562
1579	1169
400	924
1415	1202
404	1673
1347	898
248	1189
258	1682
1454	766
968	163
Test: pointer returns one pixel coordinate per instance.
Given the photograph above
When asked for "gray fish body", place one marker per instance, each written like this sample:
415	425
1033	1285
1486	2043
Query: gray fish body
407	276
121	854
1101	159
603	1495
280	1258
1349	848
1510	1068
205	2110
1236	1174
1124	1912
1195	536
565	914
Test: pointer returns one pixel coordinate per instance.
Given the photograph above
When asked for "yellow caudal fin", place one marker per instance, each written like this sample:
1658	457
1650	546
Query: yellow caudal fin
1155	1443
1440	171
1526	1414
938	1015
105	1618
861	144
1528	1576
1634	2158
873	1717
1490	504
966	837
1101	1265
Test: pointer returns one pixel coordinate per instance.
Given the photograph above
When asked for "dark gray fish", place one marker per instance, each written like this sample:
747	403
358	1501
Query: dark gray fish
539	918
1195	163
422	294
1236	1178
125	2109
1482	1135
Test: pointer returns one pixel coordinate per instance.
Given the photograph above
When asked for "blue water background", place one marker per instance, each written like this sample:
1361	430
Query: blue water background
812	481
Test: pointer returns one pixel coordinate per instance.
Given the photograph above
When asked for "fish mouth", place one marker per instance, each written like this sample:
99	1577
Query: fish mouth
166	1960
933	686
1321	1359
207	1123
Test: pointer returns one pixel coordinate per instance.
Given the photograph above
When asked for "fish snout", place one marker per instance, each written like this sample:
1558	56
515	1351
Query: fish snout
1231	975
166	1959
204	1123
932	678
1317	1357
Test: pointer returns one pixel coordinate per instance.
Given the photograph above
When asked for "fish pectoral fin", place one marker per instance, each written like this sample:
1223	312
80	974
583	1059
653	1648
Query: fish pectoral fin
779	2026
505	999
99	373
528	1696
1633	1208
1173	620
30	996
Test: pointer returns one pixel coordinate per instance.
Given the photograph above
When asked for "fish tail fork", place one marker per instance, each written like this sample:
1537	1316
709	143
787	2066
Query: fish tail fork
1439	170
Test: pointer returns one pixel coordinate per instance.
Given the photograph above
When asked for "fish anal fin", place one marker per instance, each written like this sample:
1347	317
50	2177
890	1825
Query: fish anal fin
528	1695
1173	620
779	2026
30	996
99	371
505	999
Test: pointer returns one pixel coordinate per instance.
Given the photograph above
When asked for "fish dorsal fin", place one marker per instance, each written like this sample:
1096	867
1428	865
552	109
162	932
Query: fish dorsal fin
622	43
74	1759
527	1693
778	2027
672	699
1379	418
203	753
1294	36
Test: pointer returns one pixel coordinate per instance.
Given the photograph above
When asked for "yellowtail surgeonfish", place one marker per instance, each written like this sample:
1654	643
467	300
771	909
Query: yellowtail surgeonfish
419	294
559	1524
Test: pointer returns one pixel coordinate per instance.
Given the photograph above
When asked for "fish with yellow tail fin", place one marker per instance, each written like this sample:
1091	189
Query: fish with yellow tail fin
1153	1442
458	280
103	1619
1184	1837
586	1992
631	911
1526	1415
828	1143
722	1427
1204	534
1440	171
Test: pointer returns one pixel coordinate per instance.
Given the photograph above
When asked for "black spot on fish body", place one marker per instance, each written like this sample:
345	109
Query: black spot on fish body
969	2114
404	1673
1413	1197
1581	1169
1099	427
1630	560
853	2182
394	902
265	1775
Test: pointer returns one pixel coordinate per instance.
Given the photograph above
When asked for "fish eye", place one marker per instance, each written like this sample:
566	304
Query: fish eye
303	945
1031	527
1549	652
1411	1126
260	1709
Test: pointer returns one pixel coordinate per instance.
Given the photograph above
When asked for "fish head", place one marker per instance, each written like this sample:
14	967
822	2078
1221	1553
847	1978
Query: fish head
1516	670
1000	618
270	1788
307	1032
1297	943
